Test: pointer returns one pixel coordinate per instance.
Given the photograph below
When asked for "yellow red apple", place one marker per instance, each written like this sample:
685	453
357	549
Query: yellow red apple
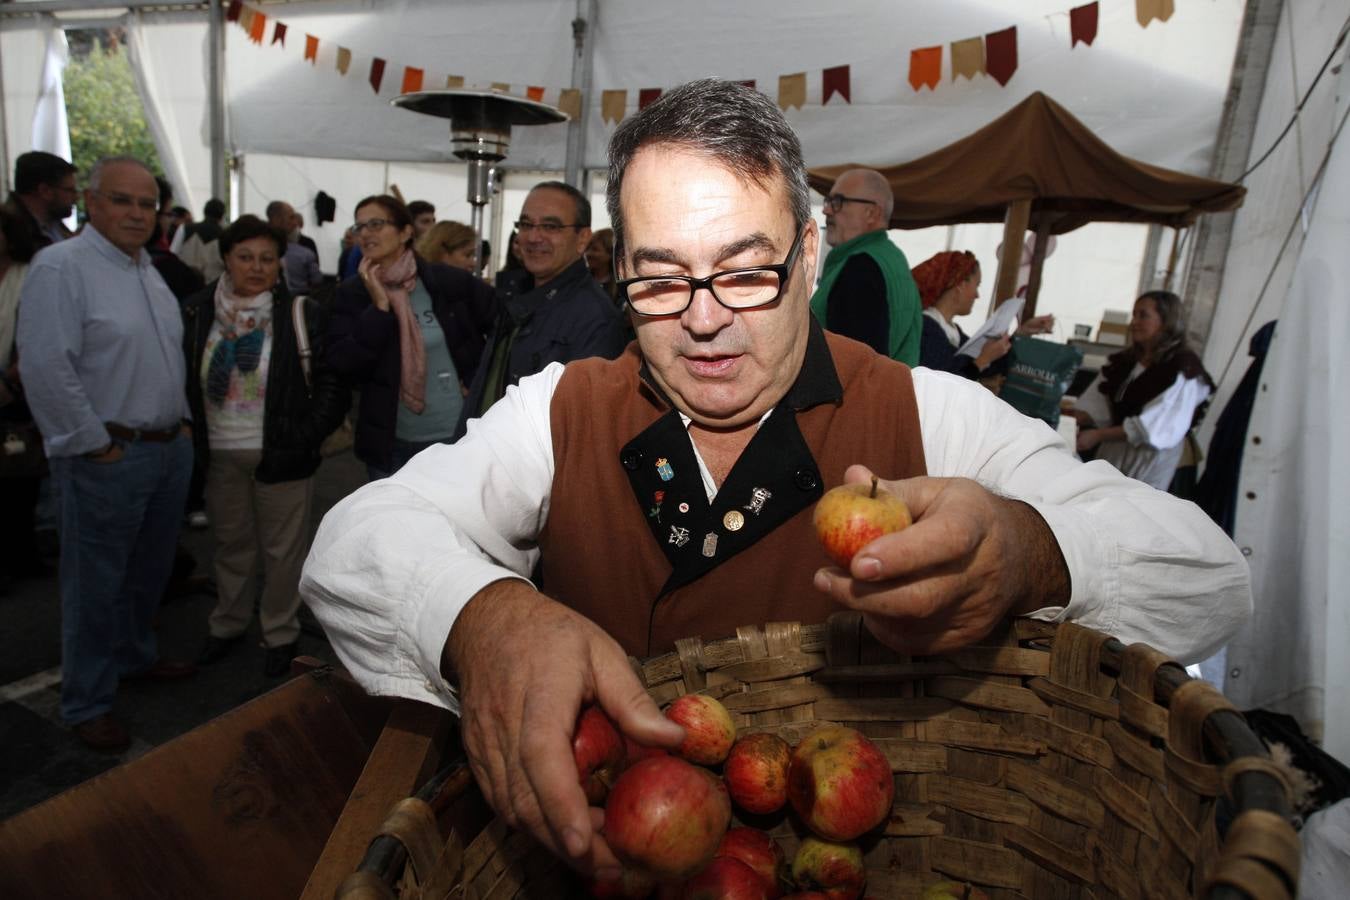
708	729
851	516
666	817
840	783
725	878
835	869
756	772
598	751
758	850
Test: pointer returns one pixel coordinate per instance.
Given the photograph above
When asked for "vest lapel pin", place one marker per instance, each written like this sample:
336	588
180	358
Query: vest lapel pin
678	536
710	544
758	497
664	470
655	511
733	520
684	507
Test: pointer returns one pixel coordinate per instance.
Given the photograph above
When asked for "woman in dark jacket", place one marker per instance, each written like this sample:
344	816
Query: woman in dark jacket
407	334
259	422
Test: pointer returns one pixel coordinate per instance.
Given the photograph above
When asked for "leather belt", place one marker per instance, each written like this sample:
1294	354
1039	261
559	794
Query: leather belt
123	433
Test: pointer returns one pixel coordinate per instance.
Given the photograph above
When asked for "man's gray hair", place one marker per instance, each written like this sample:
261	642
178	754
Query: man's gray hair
96	173
732	124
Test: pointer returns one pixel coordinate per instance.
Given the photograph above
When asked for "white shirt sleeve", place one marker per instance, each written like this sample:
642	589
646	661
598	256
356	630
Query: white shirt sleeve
1164	420
1145	566
1093	402
394	563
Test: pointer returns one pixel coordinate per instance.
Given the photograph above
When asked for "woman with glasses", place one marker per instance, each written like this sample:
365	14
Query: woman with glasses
449	243
406	333
259	423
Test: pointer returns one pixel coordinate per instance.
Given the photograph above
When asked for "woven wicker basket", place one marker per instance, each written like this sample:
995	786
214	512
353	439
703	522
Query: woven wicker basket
1048	762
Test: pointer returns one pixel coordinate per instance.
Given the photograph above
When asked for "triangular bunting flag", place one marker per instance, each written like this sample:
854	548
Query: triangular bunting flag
792	91
258	29
279	34
834	81
312	50
454	81
750	83
925	67
412	80
501	87
647	96
236	7
1148	10
344	60
535	93
376	73
612	105
569	101
1000	54
968	58
1083	24
246	19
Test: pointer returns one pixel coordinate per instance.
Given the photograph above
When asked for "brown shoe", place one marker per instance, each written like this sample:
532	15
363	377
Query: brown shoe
163	670
103	733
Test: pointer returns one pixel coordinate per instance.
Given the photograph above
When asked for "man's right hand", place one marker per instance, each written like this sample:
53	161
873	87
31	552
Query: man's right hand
526	665
110	454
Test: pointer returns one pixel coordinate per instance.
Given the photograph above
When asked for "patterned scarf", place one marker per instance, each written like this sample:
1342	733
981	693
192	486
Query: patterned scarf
245	323
399	278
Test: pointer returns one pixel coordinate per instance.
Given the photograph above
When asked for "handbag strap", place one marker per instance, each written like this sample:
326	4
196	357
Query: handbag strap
302	336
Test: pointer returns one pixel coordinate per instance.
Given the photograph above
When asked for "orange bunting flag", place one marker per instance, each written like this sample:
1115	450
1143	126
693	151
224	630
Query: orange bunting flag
312	49
535	93
1000	54
1148	10
412	80
257	31
968	58
1083	25
344	60
279	34
612	105
569	101
925	67
376	73
454	81
236	7
834	81
792	91
647	96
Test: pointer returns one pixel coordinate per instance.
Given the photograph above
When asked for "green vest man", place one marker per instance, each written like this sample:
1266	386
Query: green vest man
866	291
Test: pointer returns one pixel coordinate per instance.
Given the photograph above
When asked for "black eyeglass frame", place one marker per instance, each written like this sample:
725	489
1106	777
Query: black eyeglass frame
835	202
783	270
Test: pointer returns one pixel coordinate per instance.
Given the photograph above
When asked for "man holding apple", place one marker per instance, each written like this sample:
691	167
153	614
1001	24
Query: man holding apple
669	493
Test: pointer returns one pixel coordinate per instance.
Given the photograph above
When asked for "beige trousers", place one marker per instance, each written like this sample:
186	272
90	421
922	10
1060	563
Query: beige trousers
247	516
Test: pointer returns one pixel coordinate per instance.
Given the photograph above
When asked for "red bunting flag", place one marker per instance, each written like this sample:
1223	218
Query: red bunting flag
535	93
279	35
259	29
925	67
1083	24
236	7
312	49
647	96
376	73
1000	54
750	83
834	81
412	80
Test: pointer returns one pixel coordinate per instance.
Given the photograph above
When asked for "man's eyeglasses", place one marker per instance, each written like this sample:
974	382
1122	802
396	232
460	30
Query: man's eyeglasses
126	201
670	295
370	225
548	228
835	202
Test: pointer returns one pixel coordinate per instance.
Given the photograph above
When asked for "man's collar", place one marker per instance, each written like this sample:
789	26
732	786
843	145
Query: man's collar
112	252
852	244
564	279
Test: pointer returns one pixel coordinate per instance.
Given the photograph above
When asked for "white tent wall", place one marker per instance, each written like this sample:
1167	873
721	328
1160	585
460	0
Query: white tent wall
21	55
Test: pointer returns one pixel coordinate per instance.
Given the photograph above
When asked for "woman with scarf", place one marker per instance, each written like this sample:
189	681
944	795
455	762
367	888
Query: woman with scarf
1143	403
407	334
259	420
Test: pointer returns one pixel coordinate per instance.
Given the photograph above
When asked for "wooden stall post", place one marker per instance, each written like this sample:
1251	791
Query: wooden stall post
1014	232
1037	264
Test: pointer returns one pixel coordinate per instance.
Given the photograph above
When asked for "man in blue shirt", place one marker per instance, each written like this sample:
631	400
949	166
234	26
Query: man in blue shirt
100	347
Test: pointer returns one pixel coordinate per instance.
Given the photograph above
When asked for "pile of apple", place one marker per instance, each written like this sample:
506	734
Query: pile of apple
668	816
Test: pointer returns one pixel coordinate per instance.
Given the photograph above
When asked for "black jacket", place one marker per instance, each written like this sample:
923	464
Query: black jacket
296	417
363	347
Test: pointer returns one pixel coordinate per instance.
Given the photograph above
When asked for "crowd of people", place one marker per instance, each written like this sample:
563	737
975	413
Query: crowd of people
578	462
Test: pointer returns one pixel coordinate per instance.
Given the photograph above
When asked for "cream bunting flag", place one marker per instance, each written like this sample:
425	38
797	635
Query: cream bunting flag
968	58
792	91
612	105
569	101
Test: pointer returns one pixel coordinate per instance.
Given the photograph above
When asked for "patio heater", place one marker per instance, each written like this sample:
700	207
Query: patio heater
480	132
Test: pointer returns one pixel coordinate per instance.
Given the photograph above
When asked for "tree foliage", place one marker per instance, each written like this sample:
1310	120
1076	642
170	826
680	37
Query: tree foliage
104	111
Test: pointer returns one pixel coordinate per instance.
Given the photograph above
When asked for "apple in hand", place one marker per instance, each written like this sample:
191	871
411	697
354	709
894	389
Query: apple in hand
599	753
840	783
708	729
834	869
756	772
761	853
725	878
851	516
666	817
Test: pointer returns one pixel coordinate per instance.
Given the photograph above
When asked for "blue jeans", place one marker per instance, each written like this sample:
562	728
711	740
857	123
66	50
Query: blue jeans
403	451
119	525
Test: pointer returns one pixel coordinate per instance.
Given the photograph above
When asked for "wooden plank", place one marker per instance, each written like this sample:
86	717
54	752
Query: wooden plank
1061	860
912	756
992	803
976	861
778	697
987	695
773	668
1059	695
979	736
886	672
1083	747
879	709
410	748
1055	794
912	820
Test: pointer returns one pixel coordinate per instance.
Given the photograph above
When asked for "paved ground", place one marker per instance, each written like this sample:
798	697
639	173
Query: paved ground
39	757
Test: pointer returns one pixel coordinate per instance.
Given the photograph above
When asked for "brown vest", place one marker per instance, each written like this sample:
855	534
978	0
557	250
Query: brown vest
631	541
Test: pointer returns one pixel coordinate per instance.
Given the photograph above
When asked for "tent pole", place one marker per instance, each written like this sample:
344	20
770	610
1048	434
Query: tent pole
583	63
1014	232
1037	263
5	169
1172	259
215	39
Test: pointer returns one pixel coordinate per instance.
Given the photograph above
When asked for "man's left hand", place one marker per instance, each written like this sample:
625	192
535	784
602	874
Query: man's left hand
970	559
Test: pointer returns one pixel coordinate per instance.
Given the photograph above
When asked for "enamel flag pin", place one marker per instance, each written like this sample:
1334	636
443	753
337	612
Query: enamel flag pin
664	470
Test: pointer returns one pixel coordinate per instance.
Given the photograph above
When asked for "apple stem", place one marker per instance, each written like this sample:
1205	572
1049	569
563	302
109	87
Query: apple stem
874	487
